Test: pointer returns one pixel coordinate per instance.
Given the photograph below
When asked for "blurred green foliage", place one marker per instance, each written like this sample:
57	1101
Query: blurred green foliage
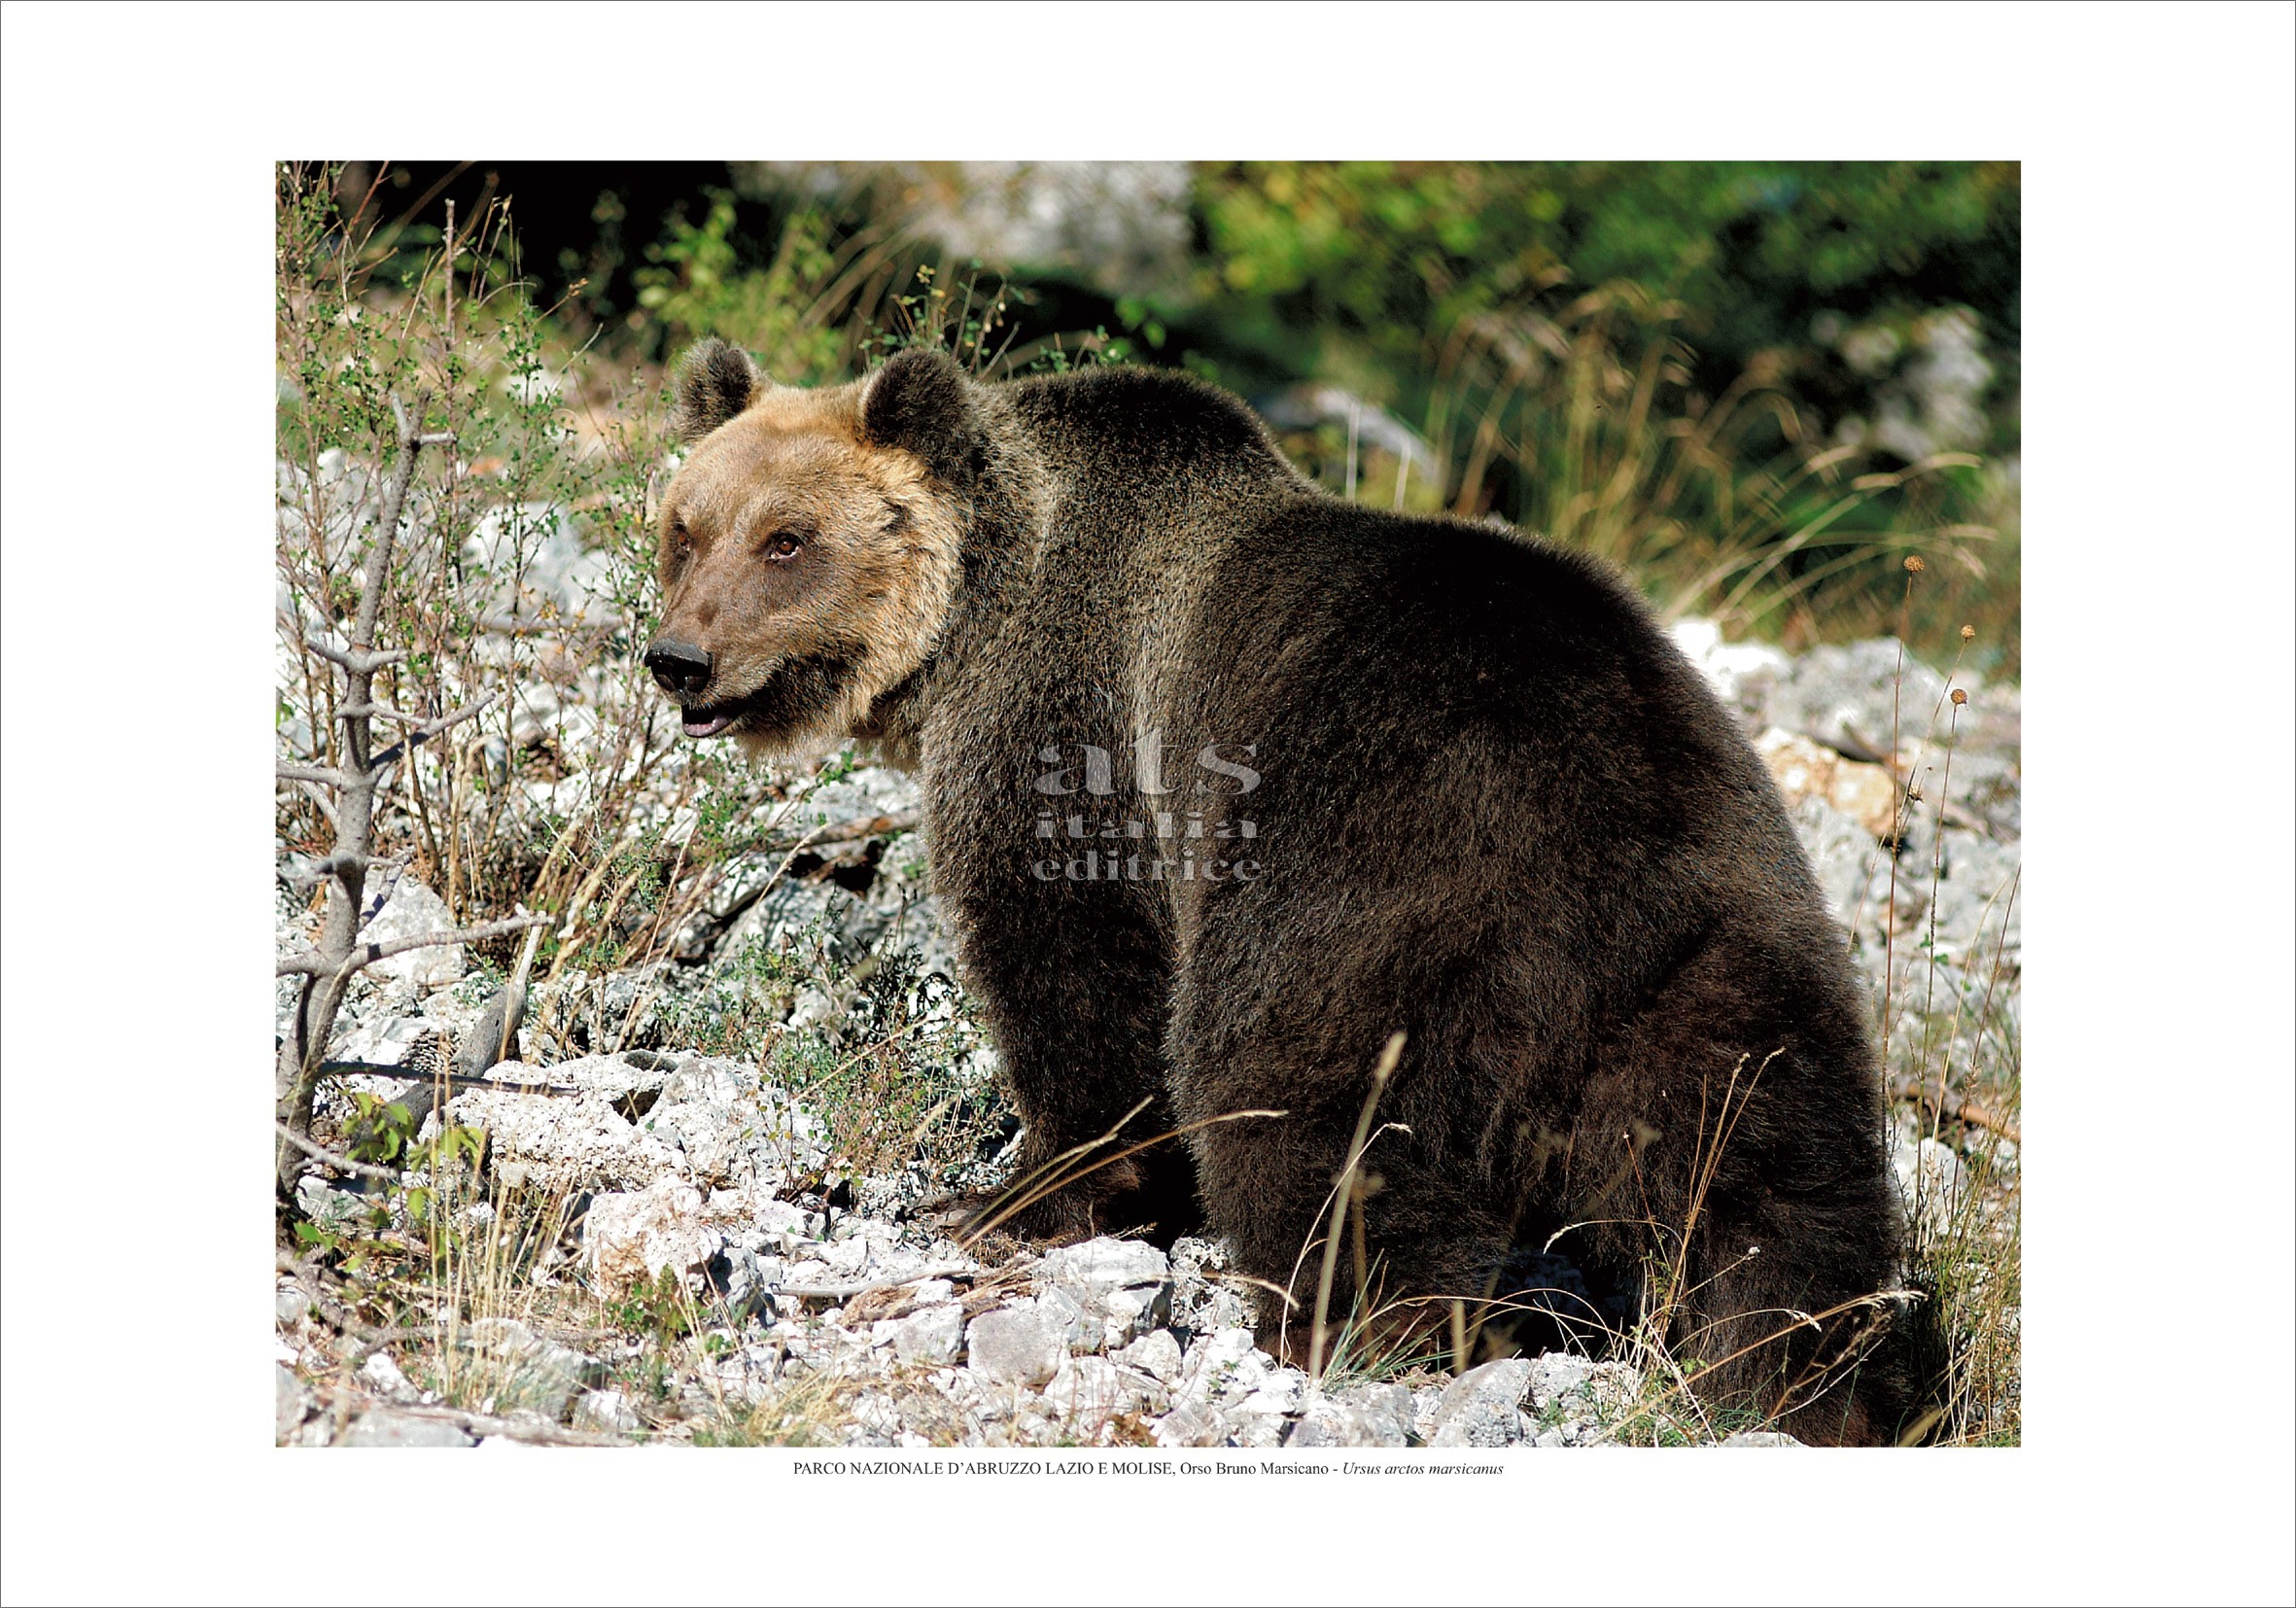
1376	261
1755	385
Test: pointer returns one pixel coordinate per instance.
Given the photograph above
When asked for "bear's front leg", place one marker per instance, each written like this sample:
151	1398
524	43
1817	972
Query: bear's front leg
1072	977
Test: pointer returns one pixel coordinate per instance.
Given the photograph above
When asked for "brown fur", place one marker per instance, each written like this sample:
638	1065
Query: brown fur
1493	809
867	593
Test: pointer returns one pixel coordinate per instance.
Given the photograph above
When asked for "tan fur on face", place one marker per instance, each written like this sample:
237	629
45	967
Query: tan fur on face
873	582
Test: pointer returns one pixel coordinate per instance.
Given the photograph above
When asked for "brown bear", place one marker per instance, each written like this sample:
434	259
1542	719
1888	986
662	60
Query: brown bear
1228	782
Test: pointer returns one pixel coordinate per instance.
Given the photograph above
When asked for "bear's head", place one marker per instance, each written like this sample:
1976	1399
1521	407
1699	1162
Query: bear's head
808	543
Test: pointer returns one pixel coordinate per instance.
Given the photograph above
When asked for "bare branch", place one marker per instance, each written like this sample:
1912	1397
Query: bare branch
326	805
339	1317
536	1429
861	830
453	1080
1955	1108
845	1292
310	963
352	660
378	560
368	954
505	625
341	1164
344	859
310	773
433	728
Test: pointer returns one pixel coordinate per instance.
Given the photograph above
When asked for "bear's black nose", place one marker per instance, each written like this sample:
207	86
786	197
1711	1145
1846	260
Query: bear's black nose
681	669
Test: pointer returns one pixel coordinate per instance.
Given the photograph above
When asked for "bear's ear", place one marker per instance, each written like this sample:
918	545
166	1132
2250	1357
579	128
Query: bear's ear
715	383
920	402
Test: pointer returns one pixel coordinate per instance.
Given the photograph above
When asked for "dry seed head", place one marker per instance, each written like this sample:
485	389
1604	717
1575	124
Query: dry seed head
1968	633
1959	697
1914	565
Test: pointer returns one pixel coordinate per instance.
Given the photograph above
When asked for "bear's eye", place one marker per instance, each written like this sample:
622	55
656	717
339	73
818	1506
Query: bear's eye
782	548
682	541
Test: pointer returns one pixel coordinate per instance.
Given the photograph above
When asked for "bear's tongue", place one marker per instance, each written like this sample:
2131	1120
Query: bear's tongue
697	725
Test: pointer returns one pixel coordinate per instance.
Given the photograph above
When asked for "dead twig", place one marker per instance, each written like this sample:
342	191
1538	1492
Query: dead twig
861	830
453	1080
845	1292
341	1318
311	962
341	1164
1955	1108
356	661
432	728
537	1430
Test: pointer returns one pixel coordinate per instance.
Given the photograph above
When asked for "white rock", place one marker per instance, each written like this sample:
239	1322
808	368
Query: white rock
1929	1182
1103	1264
1222	1367
1094	1388
1015	1345
632	1238
573	1141
1082	1329
1743	675
1131	1313
499	1334
294	1403
1375	1415
931	1336
1260	1429
847	1257
381	1374
532	1372
1804	769
1424	1402
1557	1374
1325	1422
607	1411
779	1217
1156	1354
1191	1423
410	910
1122	1288
1481	1406
1278	1393
379	1426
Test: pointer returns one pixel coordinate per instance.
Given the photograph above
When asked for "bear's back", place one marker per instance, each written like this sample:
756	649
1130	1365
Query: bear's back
1518	699
1148	429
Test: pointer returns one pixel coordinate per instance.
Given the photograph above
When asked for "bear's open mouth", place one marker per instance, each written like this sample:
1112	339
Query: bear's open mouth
709	722
716	718
793	690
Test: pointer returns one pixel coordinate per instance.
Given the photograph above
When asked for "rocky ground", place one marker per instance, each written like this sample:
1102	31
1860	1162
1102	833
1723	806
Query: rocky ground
709	1214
